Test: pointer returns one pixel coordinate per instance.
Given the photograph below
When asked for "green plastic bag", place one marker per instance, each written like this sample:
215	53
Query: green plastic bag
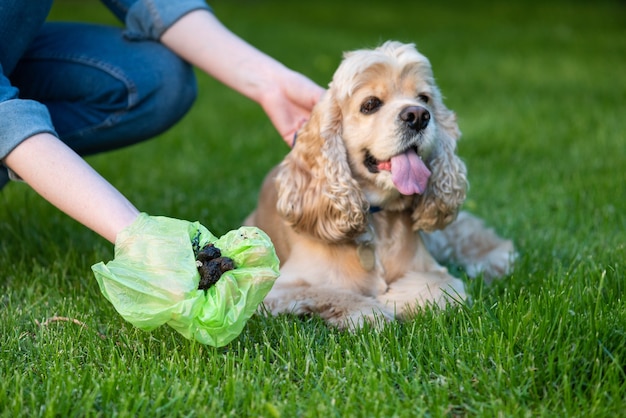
153	278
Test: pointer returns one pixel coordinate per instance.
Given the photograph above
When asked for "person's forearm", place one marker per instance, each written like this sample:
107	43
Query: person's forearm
65	180
286	96
202	40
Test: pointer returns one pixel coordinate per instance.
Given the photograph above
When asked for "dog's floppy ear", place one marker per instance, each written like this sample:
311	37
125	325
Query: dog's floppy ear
316	192
439	205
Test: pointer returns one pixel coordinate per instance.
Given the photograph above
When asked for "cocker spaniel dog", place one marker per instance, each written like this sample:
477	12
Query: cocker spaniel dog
366	202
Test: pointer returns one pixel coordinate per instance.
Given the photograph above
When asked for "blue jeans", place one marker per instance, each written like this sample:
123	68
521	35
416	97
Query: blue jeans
102	90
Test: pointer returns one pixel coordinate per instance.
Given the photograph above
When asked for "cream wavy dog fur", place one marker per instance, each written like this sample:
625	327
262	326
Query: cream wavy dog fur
366	201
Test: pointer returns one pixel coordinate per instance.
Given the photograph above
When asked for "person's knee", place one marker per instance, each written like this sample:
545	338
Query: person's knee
173	94
102	90
145	101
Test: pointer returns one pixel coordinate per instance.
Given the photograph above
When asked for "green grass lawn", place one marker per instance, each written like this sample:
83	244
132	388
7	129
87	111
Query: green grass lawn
540	93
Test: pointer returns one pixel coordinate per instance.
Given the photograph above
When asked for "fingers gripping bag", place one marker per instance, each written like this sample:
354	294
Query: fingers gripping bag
153	278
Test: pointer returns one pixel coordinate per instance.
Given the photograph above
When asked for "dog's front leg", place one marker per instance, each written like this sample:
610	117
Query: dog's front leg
419	289
340	308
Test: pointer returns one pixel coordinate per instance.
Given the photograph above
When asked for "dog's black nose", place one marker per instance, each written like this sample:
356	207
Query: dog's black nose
416	117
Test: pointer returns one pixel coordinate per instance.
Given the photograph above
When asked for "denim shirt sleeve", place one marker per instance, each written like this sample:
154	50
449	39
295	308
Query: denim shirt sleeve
148	19
20	118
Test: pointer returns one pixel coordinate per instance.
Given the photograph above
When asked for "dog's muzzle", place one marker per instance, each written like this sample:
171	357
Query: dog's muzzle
415	117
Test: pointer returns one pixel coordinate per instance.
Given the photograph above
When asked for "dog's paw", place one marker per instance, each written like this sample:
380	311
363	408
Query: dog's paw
497	263
375	317
409	294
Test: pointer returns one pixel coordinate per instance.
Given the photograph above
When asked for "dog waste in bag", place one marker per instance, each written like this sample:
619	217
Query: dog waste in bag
153	278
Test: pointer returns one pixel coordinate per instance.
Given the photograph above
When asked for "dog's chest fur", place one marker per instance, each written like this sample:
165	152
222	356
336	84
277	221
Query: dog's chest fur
397	247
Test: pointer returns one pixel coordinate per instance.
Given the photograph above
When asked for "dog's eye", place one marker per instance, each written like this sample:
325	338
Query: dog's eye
371	105
424	98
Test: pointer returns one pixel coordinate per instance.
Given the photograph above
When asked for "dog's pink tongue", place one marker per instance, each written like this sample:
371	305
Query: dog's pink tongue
409	173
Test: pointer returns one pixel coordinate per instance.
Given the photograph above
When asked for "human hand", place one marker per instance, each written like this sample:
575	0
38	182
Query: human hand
289	105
